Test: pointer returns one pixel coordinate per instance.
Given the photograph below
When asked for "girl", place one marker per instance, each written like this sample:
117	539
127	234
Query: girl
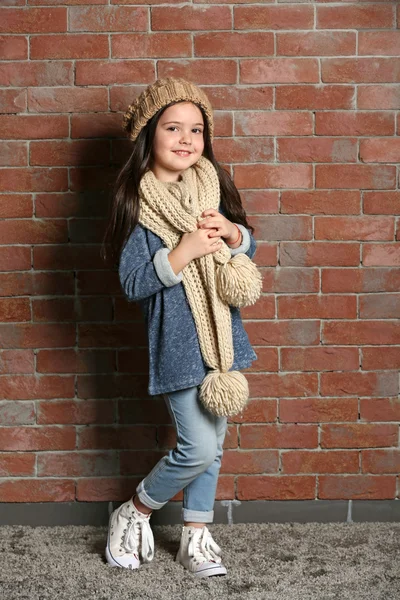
184	247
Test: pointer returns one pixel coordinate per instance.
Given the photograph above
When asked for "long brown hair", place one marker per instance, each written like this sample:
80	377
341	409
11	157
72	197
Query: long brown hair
125	197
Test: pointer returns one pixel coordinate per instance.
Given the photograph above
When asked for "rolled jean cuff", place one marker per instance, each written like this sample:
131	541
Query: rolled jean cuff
146	500
197	516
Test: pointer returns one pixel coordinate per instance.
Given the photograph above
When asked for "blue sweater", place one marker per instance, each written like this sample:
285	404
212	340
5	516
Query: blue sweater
147	277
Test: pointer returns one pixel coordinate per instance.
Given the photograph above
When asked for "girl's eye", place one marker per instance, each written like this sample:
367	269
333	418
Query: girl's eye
171	128
197	130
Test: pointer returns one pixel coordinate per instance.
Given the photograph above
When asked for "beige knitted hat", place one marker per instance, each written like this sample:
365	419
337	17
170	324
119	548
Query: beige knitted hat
159	94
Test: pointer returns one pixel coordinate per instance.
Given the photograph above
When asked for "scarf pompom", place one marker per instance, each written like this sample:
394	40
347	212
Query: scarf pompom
224	394
239	282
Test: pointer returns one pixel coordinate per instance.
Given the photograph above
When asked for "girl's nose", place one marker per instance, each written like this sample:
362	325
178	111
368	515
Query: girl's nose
186	137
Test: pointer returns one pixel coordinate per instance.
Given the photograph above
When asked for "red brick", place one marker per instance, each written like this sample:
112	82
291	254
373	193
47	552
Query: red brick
378	97
242	150
15	309
25	387
278	436
381	203
13	47
286	227
360	280
36	490
361	384
105	489
258	487
190	18
273	123
263	309
33	127
317	307
355	176
36	284
36	73
328	202
70	361
17	413
380	150
74	256
33	180
108	18
316	43
319	254
135	437
380	358
76	153
266	254
87	412
112	386
15	205
69	46
290	384
12	101
37	335
67	100
257	411
319	359
361	332
136	462
379	42
386	255
90	283
75	2
103	72
372	16
380	461
17	464
317	150
380	409
64	309
240	98
15	258
260	201
84	126
13	154
84	179
360	70
380	306
319	97
358	435
76	464
37	438
317	461
223	124
70	204
279	70
291	280
234	44
33	20
202	70
354	123
354	228
137	411
274	17
356	487
16	361
151	45
25	231
274	176
258	461
318	410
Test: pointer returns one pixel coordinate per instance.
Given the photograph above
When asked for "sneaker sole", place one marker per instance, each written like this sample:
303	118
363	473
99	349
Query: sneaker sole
212	572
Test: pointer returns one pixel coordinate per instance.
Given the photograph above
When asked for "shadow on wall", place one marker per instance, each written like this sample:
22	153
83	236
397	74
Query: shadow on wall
121	431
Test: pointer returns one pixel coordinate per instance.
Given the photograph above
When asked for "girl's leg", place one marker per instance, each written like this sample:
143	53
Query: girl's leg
195	452
199	495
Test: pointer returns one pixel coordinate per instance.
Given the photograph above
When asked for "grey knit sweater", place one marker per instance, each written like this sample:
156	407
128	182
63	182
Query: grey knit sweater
147	277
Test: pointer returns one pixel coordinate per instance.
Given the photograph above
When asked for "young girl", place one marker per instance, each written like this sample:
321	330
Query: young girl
184	246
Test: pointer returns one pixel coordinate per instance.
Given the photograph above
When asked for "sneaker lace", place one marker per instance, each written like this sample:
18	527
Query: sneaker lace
139	539
203	548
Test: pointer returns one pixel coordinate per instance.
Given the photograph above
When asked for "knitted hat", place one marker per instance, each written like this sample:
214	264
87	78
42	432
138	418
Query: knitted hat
159	94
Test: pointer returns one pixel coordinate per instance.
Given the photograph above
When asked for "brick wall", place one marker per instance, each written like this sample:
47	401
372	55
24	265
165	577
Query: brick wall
306	97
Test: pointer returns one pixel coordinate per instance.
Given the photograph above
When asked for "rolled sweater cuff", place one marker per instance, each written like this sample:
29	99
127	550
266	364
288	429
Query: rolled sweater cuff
245	245
164	269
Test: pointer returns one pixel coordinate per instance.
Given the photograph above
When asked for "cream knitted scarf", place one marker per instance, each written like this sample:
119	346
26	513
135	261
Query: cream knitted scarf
211	282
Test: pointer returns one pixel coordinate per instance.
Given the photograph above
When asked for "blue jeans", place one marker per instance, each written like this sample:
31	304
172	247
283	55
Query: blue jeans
195	462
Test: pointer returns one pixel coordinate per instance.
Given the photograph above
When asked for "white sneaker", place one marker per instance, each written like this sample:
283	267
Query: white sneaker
130	538
199	553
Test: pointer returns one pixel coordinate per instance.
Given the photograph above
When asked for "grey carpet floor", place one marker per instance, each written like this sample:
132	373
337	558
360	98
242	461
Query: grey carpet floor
289	561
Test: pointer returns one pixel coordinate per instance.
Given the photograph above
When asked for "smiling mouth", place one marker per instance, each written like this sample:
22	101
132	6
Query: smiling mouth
182	152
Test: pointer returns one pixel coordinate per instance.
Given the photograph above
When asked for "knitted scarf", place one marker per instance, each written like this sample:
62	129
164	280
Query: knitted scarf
211	282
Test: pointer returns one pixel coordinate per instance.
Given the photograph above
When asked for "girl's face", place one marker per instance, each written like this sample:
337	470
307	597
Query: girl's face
178	141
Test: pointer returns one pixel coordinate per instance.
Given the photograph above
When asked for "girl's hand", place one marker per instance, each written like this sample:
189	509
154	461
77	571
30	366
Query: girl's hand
221	225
